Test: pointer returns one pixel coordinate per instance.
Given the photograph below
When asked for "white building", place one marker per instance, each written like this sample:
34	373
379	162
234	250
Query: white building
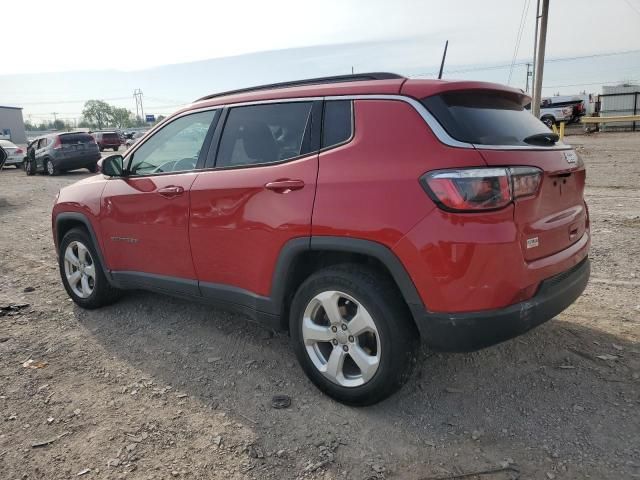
620	100
12	125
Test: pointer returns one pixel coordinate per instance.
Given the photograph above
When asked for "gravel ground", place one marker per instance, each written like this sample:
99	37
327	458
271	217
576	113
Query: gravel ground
154	387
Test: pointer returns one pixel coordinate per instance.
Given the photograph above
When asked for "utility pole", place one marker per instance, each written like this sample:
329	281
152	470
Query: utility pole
137	95
539	66
55	116
444	56
529	74
535	44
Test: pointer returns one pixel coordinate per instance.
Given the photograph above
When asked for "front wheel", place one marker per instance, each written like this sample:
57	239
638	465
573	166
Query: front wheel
81	271
353	334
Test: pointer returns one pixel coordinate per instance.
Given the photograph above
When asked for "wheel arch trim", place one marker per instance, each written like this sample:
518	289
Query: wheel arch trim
77	217
369	248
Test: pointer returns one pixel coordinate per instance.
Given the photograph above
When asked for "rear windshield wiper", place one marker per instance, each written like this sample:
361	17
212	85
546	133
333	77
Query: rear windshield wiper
542	139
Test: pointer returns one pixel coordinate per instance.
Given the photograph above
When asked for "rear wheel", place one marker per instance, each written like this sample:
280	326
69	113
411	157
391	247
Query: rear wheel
81	272
93	168
50	167
353	334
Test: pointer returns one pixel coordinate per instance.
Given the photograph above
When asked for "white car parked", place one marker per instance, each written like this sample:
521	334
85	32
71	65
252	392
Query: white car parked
15	154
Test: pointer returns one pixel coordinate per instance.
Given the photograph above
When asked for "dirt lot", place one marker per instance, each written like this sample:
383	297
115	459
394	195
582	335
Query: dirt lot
154	387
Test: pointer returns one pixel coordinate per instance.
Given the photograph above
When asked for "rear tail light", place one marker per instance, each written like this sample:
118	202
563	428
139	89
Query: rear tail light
57	145
19	150
480	189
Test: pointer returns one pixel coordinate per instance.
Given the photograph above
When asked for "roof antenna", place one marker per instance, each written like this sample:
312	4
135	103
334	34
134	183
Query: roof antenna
444	55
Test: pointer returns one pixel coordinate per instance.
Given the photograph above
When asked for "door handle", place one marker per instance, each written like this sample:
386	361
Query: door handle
171	191
284	186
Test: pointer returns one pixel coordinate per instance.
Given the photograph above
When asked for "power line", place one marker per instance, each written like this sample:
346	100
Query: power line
588	83
523	63
53	102
523	17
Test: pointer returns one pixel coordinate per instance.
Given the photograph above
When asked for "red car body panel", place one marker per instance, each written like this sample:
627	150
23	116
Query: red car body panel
364	187
83	197
238	227
144	230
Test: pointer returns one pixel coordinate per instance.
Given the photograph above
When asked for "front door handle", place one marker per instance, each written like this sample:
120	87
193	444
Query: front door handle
284	186
171	191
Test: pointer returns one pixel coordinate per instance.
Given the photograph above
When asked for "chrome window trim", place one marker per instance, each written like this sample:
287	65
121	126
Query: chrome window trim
439	131
435	126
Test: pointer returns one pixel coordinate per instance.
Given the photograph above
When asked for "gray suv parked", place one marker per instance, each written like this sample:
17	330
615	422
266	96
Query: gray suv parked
61	152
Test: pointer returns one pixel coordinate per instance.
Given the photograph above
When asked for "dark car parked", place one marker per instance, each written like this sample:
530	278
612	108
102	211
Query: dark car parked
107	140
62	152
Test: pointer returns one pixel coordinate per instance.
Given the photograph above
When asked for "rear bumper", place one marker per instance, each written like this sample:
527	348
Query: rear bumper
468	331
14	160
81	161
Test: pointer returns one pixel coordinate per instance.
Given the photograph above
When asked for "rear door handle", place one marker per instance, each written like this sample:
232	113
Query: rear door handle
284	186
171	191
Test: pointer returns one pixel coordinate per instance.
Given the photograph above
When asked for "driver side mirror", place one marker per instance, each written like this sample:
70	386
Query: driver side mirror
112	166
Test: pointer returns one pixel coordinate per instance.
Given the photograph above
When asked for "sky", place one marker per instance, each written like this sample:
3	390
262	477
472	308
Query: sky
175	54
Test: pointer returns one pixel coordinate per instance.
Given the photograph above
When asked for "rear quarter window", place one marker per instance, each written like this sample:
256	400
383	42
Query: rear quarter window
337	124
485	117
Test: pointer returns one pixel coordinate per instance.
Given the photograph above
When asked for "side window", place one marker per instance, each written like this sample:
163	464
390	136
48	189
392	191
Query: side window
265	134
42	143
174	148
337	125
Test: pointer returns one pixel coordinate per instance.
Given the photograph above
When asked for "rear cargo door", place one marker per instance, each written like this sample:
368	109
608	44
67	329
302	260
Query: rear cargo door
555	218
505	133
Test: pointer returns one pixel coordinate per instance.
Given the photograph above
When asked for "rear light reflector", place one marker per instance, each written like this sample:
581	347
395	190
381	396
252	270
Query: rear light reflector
480	189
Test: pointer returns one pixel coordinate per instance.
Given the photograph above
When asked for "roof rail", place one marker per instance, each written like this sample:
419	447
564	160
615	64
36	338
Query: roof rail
310	81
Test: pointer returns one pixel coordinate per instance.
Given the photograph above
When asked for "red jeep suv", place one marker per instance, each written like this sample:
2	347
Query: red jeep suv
362	213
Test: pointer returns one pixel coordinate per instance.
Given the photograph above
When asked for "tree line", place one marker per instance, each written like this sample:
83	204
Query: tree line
96	115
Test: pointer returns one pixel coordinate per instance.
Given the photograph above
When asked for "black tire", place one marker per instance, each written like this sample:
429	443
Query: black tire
115	149
19	166
103	293
399	338
93	168
101	148
549	122
30	166
50	168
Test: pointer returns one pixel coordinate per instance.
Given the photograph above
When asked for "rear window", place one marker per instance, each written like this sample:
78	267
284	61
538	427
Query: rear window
110	136
485	117
74	138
